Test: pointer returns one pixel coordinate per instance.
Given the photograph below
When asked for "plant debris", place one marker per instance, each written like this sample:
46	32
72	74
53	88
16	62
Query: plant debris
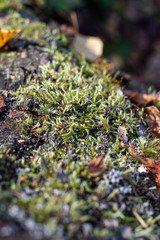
6	35
2	104
141	98
152	115
152	165
96	166
16	114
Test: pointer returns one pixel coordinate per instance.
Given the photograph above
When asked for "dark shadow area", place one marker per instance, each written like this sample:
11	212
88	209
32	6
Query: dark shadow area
129	30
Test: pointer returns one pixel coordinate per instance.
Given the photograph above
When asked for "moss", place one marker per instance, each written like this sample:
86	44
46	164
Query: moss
31	29
68	122
71	102
7	4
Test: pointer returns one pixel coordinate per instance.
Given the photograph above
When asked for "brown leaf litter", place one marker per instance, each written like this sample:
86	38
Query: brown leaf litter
16	114
152	165
2	104
96	166
141	98
152	115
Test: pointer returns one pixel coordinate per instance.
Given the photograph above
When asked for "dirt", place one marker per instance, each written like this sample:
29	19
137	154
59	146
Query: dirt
11	232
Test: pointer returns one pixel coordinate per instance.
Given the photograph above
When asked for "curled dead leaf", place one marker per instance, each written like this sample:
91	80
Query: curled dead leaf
2	104
96	166
6	35
141	98
16	114
152	165
152	115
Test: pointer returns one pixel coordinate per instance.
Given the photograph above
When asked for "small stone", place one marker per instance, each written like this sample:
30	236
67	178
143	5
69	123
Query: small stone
91	47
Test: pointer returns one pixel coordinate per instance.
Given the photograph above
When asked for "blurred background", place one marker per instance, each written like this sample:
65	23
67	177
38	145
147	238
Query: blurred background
130	30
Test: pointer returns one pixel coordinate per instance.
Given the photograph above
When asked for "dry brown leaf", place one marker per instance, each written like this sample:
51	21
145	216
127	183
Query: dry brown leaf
122	132
2	104
152	115
6	35
141	98
96	166
91	47
16	114
152	165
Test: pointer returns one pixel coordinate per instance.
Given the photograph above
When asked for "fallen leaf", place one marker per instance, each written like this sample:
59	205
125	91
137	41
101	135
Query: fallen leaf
152	165
152	115
91	47
96	166
141	98
2	104
122	132
6	35
16	114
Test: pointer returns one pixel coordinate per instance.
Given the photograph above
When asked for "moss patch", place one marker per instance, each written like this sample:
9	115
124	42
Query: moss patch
69	120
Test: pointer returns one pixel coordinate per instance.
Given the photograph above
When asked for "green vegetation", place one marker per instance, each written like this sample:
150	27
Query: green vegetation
71	121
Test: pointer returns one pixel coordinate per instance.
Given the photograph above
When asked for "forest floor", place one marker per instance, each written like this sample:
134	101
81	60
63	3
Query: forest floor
72	143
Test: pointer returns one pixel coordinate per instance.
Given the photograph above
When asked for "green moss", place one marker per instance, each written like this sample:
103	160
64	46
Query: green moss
7	4
67	106
30	30
76	122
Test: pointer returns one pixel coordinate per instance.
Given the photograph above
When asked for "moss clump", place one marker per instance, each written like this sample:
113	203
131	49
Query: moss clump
7	4
75	121
78	123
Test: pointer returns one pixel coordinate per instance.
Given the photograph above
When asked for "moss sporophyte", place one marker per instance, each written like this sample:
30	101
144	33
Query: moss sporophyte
68	121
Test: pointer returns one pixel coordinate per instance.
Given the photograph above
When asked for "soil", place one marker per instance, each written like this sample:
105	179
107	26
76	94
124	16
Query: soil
26	61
